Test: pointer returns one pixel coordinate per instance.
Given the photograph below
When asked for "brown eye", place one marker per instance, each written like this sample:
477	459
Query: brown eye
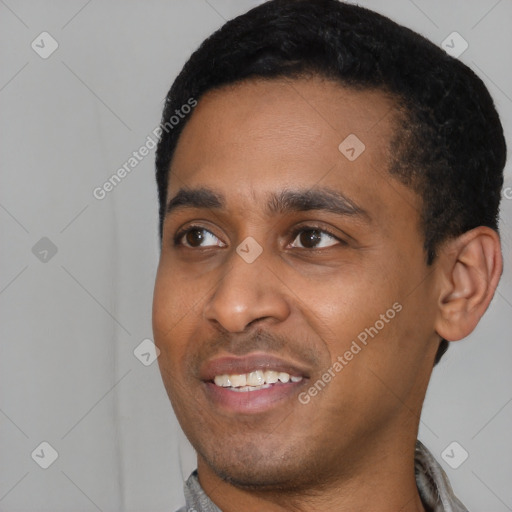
309	238
194	237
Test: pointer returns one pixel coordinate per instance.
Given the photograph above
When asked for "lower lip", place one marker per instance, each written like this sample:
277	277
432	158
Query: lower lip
251	401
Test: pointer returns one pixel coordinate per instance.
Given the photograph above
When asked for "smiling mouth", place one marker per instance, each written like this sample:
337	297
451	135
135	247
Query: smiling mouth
254	381
251	384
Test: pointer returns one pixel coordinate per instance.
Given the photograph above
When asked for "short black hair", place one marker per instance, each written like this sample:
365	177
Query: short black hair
449	145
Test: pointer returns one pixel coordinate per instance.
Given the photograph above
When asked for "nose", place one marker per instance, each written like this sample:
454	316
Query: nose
245	293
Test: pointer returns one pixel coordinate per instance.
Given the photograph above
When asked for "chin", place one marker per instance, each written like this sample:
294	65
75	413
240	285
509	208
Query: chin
254	466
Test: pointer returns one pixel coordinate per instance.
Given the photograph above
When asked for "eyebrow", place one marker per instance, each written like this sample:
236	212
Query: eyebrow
285	201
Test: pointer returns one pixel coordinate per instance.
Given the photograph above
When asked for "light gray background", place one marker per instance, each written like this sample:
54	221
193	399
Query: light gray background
69	326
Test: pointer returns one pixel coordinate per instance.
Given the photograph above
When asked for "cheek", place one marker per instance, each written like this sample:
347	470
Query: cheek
175	296
172	303
349	302
170	308
366	319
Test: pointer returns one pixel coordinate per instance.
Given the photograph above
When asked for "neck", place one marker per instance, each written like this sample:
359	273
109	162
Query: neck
383	482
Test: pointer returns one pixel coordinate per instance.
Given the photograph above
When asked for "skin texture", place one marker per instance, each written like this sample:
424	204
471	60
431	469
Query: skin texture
351	447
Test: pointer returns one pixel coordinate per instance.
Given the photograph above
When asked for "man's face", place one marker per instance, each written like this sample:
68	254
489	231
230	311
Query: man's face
346	284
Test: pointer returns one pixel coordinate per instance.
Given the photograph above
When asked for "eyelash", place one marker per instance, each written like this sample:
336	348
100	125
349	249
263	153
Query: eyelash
292	234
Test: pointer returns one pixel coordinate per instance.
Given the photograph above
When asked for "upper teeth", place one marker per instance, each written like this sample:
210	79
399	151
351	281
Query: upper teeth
256	378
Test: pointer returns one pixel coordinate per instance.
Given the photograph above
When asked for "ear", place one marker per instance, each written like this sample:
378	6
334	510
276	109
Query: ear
471	267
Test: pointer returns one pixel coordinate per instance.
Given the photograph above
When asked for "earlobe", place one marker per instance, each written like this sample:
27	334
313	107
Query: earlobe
470	268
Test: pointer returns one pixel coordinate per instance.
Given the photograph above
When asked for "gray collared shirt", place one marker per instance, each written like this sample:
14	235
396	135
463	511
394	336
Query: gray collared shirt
435	490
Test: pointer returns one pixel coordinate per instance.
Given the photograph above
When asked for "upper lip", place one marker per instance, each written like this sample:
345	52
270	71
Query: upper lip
233	365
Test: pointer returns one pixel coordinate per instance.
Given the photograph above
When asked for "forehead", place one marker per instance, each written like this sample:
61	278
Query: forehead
260	136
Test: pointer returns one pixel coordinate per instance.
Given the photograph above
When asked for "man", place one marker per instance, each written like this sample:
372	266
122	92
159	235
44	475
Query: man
329	186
